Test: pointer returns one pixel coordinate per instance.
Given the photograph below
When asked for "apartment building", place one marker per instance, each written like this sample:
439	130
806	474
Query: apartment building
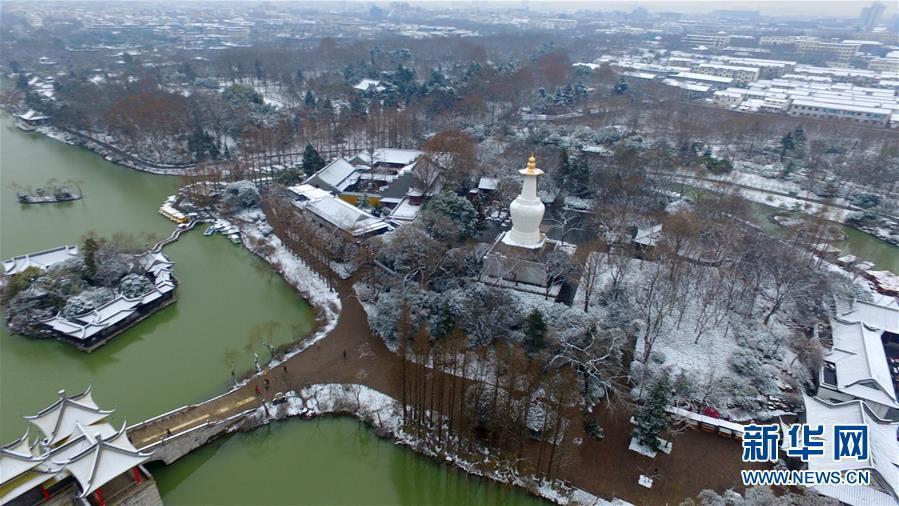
740	75
717	40
857	114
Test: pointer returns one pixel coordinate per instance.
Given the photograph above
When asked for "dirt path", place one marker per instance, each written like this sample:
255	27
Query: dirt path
352	354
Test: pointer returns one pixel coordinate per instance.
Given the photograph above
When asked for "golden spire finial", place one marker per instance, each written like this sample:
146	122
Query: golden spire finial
532	163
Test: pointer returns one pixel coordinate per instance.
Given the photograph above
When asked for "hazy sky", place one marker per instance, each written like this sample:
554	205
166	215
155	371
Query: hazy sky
811	8
790	8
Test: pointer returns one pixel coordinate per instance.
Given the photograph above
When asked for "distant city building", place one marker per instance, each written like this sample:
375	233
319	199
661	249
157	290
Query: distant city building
837	52
740	75
884	65
871	15
716	40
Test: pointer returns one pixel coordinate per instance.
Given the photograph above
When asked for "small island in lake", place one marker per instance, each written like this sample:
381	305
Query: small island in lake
85	295
47	194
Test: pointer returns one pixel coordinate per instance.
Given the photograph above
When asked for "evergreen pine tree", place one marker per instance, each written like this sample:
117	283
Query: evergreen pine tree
651	417
535	331
312	161
787	142
578	176
541	101
580	90
89	251
357	107
558	99
568	95
562	173
444	322
309	100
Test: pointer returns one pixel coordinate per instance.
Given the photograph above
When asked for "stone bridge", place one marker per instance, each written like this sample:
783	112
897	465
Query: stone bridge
172	435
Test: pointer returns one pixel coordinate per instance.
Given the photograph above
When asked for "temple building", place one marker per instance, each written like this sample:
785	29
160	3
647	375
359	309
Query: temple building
523	258
79	458
90	330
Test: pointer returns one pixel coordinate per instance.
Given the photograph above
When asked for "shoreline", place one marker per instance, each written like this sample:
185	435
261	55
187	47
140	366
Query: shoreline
381	413
108	152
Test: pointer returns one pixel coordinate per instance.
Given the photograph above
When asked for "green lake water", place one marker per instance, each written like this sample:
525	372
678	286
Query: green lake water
863	245
176	356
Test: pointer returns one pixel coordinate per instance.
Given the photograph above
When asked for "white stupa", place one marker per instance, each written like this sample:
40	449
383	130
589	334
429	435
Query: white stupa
518	257
527	211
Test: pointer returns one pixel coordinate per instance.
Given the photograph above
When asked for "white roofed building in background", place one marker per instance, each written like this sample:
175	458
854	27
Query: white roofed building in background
334	177
365	84
386	178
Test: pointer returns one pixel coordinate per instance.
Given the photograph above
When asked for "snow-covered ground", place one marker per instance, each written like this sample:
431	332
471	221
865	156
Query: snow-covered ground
708	360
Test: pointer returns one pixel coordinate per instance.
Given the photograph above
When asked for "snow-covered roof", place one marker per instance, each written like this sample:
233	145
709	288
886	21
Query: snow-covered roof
881	313
648	236
364	84
104	460
488	183
860	361
735	68
42	259
78	444
405	211
704	77
392	156
59	420
16	458
32	115
883	454
334	176
343	215
840	107
308	192
87	325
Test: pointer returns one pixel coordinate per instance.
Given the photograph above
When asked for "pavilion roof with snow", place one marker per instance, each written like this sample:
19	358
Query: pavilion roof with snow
85	329
883	454
41	259
103	460
59	420
78	446
860	363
